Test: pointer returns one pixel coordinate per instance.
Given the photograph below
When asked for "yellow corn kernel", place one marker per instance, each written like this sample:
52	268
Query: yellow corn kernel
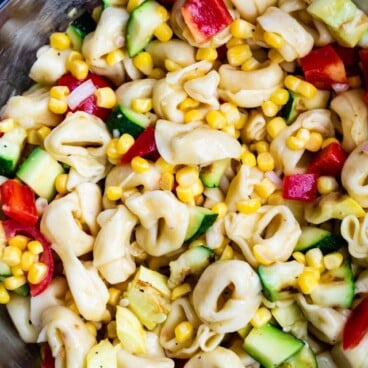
184	331
163	32
240	123
124	143
299	257
280	96
327	184
333	260
300	86
73	55
27	260
328	141
220	208
57	106
231	112
269	108
227	253
303	134
37	273
275	56
230	129
248	206
114	193
43	132
59	41
143	61
11	255
115	56
314	258
308	280
187	175
261	317
206	53
180	291
114	296
164	14
17	270
240	28
105	97
237	55
132	4
91	328
111	330
265	188
250	64
59	92
19	241
248	158
261	147
61	183
216	119
157	73
234	41
79	69
188	103
33	137
14	282
262	255
275	199
167	181
142	105
140	165
6	125
171	66
275	126
185	194
35	247
197	187
295	143
4	295
273	39
315	141
192	115
165	166
265	161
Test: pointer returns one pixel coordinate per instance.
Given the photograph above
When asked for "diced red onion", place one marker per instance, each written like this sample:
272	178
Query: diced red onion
271	175
340	87
81	93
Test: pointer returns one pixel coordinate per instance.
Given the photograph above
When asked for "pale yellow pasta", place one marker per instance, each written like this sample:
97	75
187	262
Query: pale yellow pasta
31	109
212	196
62	217
218	358
298	42
188	72
128	360
355	357
255	126
115	72
320	32
251	9
141	88
325	360
354	231
204	339
111	254
238	307
361	283
80	141
290	6
163	221
67	335
353	114
215	235
293	161
131	70
249	88
247	361
194	143
49	66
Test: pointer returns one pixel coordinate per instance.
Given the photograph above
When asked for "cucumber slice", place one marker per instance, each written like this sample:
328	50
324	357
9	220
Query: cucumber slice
303	358
270	346
22	290
11	147
79	28
141	25
279	281
191	262
211	175
125	120
39	171
200	220
289	110
314	237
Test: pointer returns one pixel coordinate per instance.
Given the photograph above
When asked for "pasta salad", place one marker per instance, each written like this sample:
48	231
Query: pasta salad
185	185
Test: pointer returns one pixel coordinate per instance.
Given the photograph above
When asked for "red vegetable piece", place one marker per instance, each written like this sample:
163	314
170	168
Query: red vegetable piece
349	56
89	104
18	202
329	161
205	18
323	68
356	326
12	228
302	187
48	360
144	145
363	57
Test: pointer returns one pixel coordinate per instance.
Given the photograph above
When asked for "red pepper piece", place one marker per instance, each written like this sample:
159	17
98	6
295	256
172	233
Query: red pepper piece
48	360
89	105
18	202
356	326
349	56
12	228
329	161
363	57
205	18
302	187
144	145
323	67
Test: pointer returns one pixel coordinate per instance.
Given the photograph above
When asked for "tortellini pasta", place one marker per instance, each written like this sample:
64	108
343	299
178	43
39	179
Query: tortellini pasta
250	10
128	360
127	92
227	310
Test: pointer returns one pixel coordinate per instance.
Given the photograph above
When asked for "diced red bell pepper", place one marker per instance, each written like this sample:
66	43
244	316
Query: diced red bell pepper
349	56
144	145
323	67
356	326
89	105
363	58
12	228
48	360
301	187
18	202
205	18
329	161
